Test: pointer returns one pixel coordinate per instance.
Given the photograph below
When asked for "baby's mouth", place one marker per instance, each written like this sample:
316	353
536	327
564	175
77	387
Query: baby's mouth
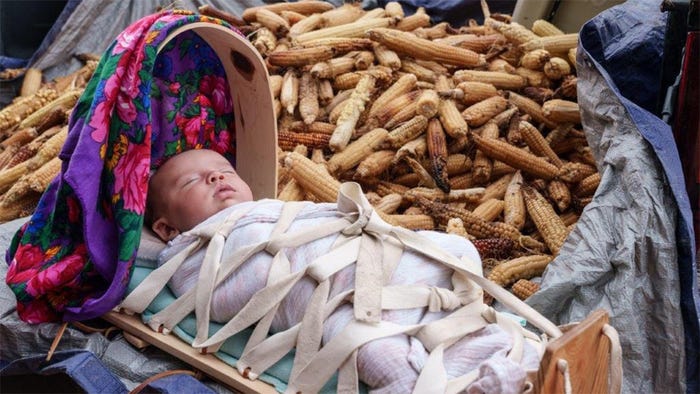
224	190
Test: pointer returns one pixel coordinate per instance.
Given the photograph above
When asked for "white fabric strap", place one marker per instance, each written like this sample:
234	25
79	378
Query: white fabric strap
433	377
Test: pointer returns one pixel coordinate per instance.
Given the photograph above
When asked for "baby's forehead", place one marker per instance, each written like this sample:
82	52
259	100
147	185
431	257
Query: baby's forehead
192	161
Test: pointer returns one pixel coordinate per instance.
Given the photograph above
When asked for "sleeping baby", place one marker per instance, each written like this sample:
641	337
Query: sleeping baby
198	188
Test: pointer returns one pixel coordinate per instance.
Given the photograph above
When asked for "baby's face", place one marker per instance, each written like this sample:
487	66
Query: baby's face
196	184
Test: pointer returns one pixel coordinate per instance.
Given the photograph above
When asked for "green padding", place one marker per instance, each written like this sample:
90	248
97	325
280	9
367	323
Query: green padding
277	375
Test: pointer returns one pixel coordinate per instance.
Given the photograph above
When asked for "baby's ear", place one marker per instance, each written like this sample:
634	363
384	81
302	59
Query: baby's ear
164	230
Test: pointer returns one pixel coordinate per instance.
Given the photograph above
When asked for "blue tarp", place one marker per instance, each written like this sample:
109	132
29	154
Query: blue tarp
633	251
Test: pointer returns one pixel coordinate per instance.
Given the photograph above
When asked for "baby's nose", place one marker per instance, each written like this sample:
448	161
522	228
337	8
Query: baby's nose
215	176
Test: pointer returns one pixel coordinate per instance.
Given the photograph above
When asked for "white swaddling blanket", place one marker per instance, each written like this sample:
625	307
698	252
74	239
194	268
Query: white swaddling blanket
387	365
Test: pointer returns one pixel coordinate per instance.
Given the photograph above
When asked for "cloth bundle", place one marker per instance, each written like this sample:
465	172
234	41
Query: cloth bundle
349	292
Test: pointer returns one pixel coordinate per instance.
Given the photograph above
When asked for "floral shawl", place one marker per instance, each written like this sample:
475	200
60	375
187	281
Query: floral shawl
74	258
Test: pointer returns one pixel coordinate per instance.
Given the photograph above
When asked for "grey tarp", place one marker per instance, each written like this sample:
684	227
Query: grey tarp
631	252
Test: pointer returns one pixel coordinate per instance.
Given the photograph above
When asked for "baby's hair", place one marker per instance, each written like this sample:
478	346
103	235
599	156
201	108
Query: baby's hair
150	214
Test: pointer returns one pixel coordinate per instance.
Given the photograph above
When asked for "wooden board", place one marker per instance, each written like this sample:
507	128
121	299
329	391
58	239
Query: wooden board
208	364
586	350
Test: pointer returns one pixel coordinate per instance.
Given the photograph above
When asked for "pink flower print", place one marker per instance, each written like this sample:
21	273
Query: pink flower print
128	38
215	88
131	176
174	87
220	143
36	312
58	274
190	127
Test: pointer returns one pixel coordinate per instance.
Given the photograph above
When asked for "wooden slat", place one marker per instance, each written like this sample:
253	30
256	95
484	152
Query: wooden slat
209	364
586	350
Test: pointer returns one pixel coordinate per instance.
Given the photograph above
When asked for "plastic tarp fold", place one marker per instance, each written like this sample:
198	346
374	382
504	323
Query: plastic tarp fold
632	251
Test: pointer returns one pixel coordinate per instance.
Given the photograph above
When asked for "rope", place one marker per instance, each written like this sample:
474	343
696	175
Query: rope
615	382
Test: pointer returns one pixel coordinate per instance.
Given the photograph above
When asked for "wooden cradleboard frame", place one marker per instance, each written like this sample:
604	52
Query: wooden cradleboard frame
584	346
256	123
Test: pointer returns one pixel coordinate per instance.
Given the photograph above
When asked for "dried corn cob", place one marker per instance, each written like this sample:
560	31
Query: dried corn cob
394	9
461	181
278	25
437	150
524	288
471	195
289	95
384	188
531	108
548	223
386	57
407	113
458	163
356	151
407	131
573	172
483	165
489	210
417	20
567	88
312	178
394	106
305	25
374	14
515	157
374	165
355	29
325	92
538	145
425	178
39	180
456	226
209	10
559	193
292	17
424	49
534	78
498	79
308	98
500	65
514	32
536	59
31	82
46	152
561	111
588	185
474	92
298	57
427	104
538	94
481	112
346	13
514	210
422	73
557	68
342	45
12	114
65	101
299	126
416	148
554	44
351	113
275	85
20	137
403	85
433	66
412	222
302	7
7	155
494	248
525	267
543	28
288	140
22	208
389	203
499	169
497	188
